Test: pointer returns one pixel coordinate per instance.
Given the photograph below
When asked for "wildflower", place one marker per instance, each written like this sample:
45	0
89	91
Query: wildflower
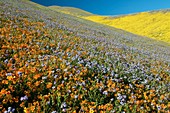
6	61
9	78
37	83
83	83
13	110
26	64
122	102
53	87
91	111
54	112
159	107
24	98
32	108
71	75
44	78
112	111
5	81
76	96
25	110
8	74
69	91
55	76
162	97
37	76
64	110
105	92
62	81
49	85
33	70
48	102
19	73
63	105
112	99
65	70
5	111
9	109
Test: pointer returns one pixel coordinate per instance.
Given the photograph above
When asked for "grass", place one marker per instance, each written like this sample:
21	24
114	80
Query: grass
71	11
54	62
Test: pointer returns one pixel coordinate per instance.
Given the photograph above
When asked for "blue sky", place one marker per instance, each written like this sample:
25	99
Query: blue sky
110	7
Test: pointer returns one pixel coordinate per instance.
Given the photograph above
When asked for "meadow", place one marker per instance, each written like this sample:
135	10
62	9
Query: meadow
51	62
154	24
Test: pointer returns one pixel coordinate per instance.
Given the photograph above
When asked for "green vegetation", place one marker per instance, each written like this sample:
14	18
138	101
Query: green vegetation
54	62
70	10
154	24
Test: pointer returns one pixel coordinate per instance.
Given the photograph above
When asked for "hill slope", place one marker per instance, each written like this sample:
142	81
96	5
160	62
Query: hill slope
154	24
70	10
54	62
150	24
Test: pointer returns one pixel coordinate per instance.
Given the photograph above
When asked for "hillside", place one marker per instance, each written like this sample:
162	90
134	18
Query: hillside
153	24
70	10
55	62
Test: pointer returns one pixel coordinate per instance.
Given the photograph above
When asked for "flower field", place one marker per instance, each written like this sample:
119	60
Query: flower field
52	62
150	24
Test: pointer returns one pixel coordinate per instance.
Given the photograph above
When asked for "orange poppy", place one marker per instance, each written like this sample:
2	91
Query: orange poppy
37	76
162	97
37	83
33	70
9	78
49	85
3	91
29	84
26	110
5	81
